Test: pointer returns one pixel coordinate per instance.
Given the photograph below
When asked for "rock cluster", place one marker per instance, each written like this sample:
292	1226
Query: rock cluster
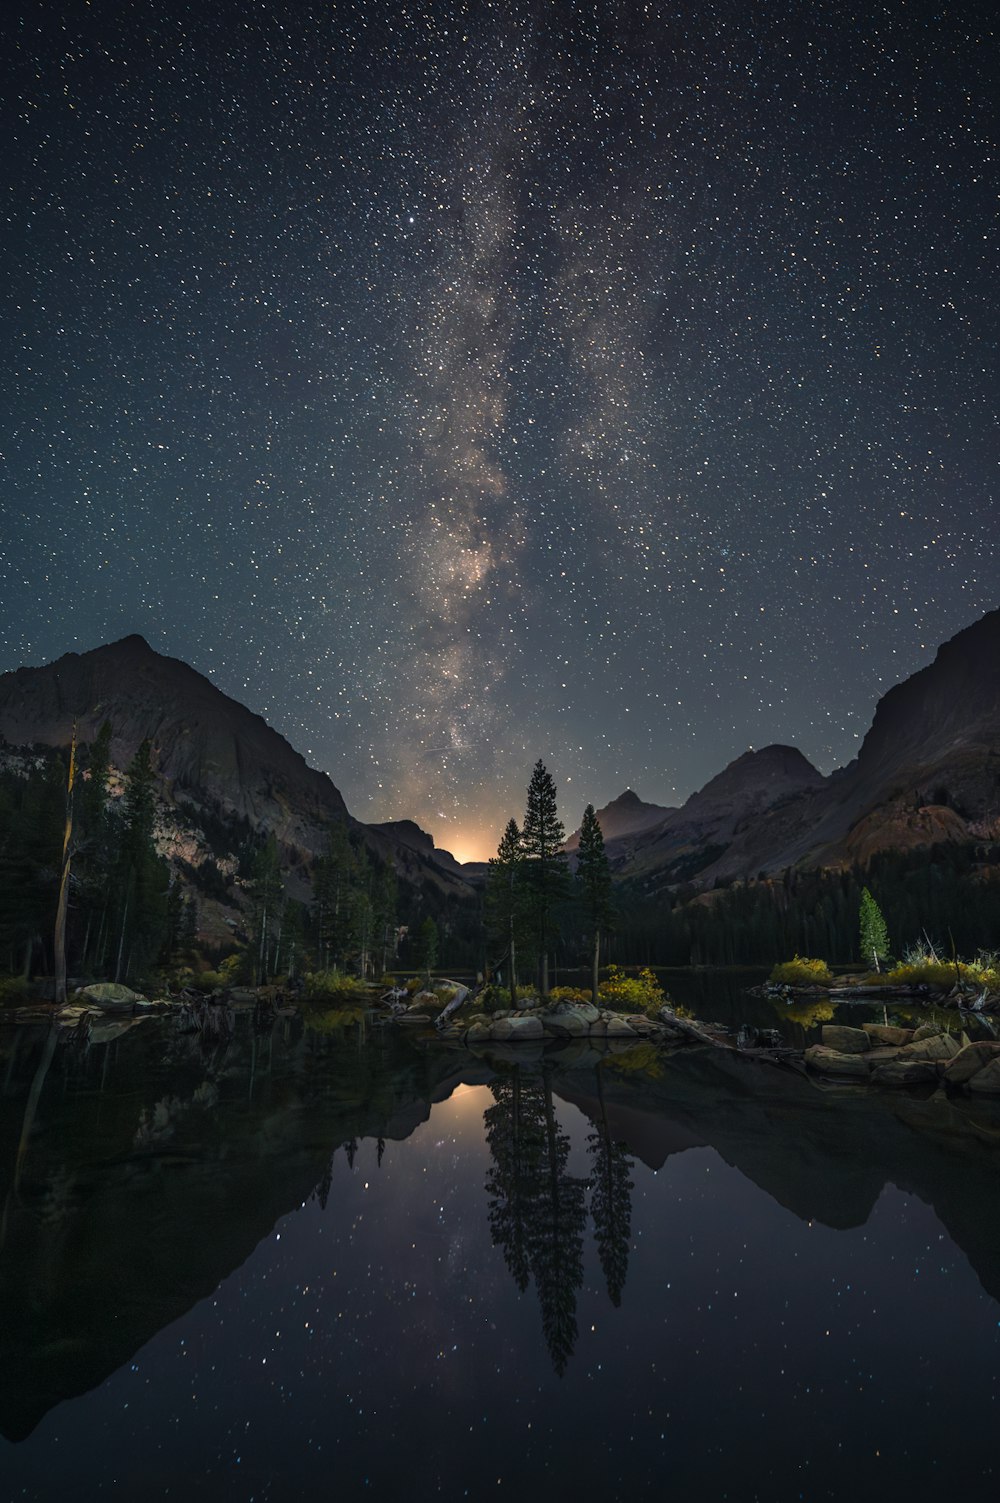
555	1021
888	1056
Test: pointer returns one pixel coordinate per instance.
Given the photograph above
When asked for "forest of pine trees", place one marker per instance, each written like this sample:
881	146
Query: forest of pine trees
130	917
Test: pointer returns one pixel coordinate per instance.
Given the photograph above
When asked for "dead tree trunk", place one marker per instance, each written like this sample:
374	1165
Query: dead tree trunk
59	939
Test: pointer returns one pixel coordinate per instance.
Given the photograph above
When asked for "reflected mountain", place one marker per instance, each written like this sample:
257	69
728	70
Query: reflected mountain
137	1174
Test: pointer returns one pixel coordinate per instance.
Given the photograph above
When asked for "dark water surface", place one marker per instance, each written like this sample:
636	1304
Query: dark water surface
284	1266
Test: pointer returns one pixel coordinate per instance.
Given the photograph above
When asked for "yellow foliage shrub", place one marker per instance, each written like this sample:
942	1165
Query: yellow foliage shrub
802	970
642	993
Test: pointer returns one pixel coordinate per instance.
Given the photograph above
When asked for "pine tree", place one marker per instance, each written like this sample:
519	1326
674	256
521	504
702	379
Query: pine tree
610	1200
874	935
333	875
142	877
506	899
594	877
266	892
427	947
542	837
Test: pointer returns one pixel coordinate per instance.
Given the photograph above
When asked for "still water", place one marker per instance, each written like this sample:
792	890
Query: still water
284	1264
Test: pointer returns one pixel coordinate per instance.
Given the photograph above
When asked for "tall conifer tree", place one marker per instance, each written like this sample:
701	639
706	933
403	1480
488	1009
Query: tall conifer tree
542	837
594	876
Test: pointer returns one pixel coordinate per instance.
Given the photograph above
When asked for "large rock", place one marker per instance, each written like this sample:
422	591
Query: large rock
904	1072
926	1031
515	1030
987	1082
619	1028
884	1033
969	1061
569	1019
845	1040
479	1032
110	996
828	1061
938	1047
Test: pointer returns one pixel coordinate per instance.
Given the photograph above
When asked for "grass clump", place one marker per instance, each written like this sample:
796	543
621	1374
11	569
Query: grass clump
940	975
802	970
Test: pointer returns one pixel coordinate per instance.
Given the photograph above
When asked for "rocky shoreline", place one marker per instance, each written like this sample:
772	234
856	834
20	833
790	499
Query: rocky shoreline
877	1054
886	1056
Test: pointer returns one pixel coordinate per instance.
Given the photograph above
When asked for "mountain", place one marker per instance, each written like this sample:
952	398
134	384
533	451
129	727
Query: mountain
928	771
224	772
625	818
694	837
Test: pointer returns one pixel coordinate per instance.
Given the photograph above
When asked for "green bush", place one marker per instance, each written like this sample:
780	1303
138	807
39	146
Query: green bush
322	986
569	994
15	992
642	993
802	971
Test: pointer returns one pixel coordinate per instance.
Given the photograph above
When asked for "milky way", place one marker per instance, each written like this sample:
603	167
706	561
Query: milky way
457	385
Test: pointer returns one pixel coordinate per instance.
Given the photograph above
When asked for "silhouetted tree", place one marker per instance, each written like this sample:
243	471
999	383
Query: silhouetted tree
594	877
610	1199
542	837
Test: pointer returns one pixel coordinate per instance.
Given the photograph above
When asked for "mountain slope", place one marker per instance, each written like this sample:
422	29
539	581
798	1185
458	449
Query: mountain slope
928	770
211	753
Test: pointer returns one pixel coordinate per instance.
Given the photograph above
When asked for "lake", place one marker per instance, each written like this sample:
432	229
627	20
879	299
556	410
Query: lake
290	1264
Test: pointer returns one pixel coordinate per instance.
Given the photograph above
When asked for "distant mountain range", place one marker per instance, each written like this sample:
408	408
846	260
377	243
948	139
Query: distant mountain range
928	770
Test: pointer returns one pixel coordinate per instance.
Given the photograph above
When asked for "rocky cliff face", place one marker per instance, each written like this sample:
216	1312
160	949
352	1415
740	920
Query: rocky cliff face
211	753
928	771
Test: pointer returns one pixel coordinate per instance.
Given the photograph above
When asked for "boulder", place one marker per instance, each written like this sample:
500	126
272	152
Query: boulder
828	1061
619	1028
903	1072
987	1082
937	1046
515	1030
569	1019
969	1061
478	1032
109	996
884	1033
925	1031
845	1040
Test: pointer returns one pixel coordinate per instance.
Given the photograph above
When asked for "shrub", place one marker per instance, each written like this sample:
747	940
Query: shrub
939	974
496	998
208	981
569	994
802	970
641	993
237	968
323	986
14	992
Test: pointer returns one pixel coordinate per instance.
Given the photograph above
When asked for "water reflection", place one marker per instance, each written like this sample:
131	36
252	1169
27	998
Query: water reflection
538	1210
139	1172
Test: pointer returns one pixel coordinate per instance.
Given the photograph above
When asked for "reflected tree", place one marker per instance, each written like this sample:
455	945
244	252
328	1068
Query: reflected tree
610	1199
515	1134
538	1210
557	1239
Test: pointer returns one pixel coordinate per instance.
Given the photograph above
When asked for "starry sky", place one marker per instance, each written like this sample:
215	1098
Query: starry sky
461	384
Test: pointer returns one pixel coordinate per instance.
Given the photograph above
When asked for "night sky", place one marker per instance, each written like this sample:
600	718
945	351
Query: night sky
458	385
